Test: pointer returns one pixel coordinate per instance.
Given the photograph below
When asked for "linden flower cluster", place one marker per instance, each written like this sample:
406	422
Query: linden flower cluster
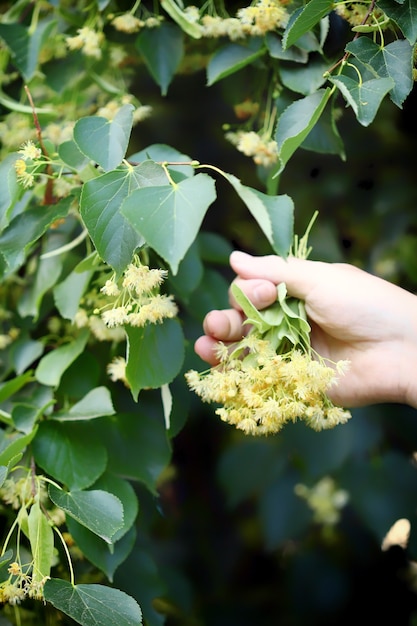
135	299
21	585
261	390
262	149
29	153
325	499
356	12
255	21
88	41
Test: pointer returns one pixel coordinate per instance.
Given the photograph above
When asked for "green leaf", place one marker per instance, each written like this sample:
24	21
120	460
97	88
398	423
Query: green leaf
139	446
13	385
276	51
104	556
10	188
47	274
105	141
70	453
3	475
96	403
25	44
303	20
324	137
53	365
107	557
123	490
93	605
68	293
24	352
99	511
101	199
274	214
70	153
394	60
41	537
404	15
169	217
295	123
11	447
155	355
364	98
180	17
162	50
230	59
304	79
164	153
25	229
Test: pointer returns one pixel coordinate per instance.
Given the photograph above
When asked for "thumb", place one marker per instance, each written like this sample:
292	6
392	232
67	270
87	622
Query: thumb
298	274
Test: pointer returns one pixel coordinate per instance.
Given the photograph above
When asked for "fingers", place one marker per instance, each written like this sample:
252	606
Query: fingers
298	274
224	325
260	292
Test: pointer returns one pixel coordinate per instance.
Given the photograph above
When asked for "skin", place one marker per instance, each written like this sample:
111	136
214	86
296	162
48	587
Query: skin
354	316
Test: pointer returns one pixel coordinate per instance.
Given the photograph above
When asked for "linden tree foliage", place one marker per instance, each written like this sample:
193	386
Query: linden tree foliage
107	263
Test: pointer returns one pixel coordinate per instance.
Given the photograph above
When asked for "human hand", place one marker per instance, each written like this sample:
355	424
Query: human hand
354	316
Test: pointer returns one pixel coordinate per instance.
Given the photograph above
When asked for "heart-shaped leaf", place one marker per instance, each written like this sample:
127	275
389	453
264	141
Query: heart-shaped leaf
105	141
93	605
155	355
100	203
99	511
169	216
70	453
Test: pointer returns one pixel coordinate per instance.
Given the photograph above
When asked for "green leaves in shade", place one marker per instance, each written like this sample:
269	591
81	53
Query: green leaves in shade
391	61
274	214
70	453
53	365
24	230
105	141
162	50
139	446
404	15
155	355
25	44
99	511
101	199
230	59
108	557
169	217
96	403
303	20
41	537
296	122
12	447
93	605
364	97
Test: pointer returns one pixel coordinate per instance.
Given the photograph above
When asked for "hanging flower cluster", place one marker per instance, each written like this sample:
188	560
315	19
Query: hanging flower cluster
134	299
272	376
261	148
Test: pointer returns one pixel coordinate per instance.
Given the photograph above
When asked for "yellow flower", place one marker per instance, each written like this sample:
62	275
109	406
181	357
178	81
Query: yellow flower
28	150
127	23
